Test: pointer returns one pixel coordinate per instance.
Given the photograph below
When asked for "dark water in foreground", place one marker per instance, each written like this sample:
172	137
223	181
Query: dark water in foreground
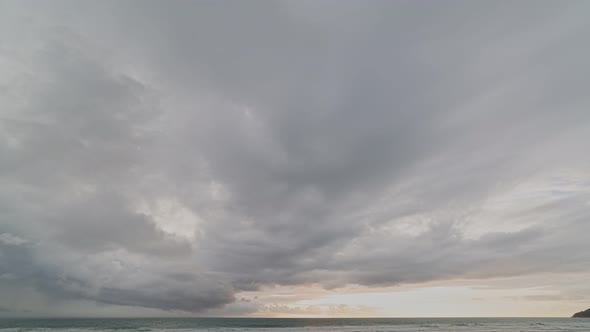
293	325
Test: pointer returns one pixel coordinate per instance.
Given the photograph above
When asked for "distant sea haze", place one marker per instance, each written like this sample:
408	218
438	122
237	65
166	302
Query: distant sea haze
296	324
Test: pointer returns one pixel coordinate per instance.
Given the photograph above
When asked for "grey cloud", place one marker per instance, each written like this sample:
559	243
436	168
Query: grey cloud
199	297
103	222
75	162
112	282
314	142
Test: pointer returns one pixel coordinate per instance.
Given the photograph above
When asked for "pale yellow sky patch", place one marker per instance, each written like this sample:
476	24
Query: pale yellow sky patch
501	297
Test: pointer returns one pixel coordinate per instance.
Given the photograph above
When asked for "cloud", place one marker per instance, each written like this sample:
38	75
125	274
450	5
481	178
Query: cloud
171	156
328	310
11	240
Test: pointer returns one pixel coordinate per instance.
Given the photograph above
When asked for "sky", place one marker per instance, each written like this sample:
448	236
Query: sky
306	158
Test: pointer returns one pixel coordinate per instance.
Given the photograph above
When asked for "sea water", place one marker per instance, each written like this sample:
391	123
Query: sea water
295	325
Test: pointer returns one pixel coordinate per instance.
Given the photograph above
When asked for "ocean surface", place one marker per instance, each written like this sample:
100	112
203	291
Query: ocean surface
293	325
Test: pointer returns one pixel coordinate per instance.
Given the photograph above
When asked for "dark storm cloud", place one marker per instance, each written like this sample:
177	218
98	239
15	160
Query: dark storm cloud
169	154
108	284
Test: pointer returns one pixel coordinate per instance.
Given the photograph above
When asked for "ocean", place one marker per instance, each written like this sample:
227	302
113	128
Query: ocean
296	324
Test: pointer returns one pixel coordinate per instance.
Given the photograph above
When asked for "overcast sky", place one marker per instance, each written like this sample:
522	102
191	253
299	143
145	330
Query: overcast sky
294	158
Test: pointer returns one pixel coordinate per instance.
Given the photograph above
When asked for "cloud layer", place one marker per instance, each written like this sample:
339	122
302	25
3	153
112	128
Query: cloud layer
170	155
